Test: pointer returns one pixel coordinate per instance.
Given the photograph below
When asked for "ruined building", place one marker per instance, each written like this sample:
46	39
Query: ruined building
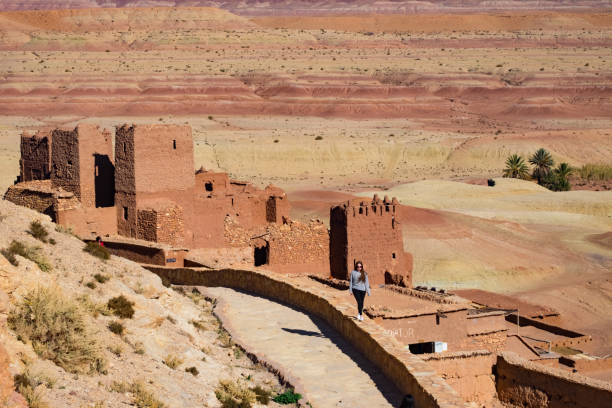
369	231
144	188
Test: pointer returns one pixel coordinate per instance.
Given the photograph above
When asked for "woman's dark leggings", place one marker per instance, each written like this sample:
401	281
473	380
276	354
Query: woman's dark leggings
359	295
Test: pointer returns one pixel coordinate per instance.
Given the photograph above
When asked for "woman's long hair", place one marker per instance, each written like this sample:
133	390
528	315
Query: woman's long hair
363	272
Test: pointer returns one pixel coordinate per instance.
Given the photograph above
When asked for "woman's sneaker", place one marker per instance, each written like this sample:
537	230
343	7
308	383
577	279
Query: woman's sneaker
360	318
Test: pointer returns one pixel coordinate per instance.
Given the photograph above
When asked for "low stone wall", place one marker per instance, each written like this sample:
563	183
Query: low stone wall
583	364
409	373
572	338
146	254
468	372
524	384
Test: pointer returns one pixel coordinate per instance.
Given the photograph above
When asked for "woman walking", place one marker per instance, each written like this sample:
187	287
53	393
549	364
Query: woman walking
358	286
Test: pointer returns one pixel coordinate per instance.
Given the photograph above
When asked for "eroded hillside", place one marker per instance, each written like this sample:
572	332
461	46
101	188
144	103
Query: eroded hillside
170	352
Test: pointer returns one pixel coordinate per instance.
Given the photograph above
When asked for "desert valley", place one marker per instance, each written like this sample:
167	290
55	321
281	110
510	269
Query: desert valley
302	117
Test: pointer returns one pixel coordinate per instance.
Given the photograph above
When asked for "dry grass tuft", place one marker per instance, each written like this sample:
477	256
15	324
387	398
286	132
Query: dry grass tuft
32	253
234	394
141	397
121	307
172	361
97	250
38	231
57	330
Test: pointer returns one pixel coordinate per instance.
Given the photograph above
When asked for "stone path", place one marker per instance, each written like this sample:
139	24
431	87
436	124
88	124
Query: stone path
309	353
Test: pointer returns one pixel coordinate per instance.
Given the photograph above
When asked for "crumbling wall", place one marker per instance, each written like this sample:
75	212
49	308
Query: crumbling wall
369	231
162	222
65	170
211	183
37	195
82	163
295	243
146	253
35	161
125	182
521	383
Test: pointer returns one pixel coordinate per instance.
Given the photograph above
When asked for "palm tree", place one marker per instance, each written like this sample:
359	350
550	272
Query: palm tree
543	161
563	170
516	167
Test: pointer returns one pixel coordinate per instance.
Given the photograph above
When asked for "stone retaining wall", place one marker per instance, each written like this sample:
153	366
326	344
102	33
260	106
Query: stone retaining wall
522	383
410	374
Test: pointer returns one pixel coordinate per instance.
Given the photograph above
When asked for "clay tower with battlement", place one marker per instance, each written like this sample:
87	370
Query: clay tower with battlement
369	231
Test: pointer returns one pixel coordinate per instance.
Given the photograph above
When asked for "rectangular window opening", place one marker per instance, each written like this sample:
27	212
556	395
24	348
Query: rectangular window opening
174	144
125	213
209	186
124	147
393	255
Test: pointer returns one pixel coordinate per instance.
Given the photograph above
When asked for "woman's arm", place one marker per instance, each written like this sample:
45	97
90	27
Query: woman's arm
367	284
351	283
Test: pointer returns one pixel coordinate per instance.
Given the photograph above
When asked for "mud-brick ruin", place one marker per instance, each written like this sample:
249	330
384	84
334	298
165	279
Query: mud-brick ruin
369	232
145	188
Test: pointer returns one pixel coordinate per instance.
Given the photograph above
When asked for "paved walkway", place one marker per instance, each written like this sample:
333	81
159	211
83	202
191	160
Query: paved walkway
309	353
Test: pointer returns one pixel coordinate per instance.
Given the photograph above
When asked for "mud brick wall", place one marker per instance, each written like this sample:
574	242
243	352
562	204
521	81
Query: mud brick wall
429	327
163	224
211	183
407	371
35	162
522	383
87	222
153	162
82	163
295	243
96	167
65	171
468	372
41	201
370	232
486	323
582	364
164	158
146	254
208	222
277	208
125	182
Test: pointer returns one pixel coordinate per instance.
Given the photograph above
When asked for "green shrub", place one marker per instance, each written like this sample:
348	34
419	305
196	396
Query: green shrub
91	285
97	250
101	278
57	330
121	307
193	371
10	256
38	231
31	253
287	397
116	327
224	338
262	395
234	395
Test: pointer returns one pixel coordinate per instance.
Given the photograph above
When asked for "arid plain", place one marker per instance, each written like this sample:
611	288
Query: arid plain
328	107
